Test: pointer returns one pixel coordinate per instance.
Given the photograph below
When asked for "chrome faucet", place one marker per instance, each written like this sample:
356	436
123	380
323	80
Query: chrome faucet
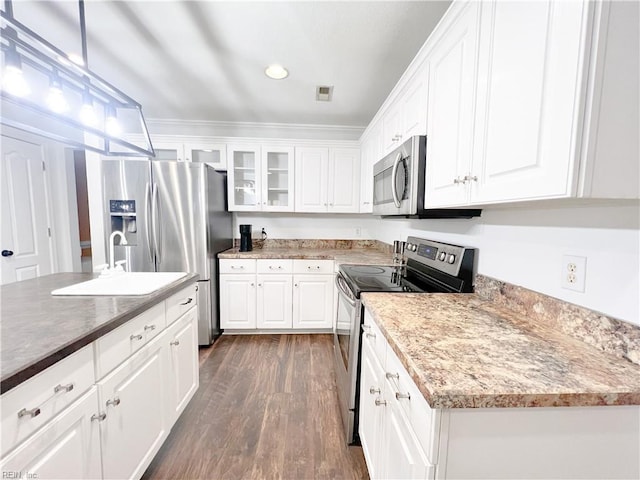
112	241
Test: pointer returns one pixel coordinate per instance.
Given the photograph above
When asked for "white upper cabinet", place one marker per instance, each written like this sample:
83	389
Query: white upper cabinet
202	151
213	154
260	178
452	80
344	180
327	179
530	100
407	115
529	75
370	153
277	179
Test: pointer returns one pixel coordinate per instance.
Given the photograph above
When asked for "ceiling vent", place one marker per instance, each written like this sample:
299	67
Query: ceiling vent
324	93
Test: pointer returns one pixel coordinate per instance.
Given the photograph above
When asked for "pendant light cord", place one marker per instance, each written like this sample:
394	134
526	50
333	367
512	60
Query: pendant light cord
83	33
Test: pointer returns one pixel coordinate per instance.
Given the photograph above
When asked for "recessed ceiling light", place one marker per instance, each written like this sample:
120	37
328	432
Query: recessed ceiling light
277	72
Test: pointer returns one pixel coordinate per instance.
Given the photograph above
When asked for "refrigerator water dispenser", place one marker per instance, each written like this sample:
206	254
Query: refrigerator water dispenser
123	218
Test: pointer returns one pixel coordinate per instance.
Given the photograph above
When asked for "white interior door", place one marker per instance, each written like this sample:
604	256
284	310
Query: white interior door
25	238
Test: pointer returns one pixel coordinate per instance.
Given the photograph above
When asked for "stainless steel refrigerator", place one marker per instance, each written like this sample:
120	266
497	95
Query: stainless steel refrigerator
174	216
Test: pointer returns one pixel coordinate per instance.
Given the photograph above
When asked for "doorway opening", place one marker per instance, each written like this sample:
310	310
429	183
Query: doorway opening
82	200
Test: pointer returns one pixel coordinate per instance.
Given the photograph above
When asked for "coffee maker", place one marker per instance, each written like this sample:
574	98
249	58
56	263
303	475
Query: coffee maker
245	238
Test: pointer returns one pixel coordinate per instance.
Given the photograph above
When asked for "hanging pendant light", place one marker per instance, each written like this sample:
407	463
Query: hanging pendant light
55	98
100	115
13	81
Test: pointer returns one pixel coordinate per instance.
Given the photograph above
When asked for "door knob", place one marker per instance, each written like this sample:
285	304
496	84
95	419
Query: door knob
7	253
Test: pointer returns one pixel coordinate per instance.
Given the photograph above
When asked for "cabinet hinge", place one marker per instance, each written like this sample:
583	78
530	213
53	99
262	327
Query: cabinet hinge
49	231
44	168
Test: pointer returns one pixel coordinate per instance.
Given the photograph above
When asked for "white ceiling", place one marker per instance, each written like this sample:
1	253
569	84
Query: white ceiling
205	60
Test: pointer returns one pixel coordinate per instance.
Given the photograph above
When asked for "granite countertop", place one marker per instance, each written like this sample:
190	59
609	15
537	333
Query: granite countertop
466	352
363	256
38	329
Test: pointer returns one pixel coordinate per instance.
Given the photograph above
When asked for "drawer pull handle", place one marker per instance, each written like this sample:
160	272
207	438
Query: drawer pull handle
115	402
393	375
271	267
370	335
403	395
135	337
175	343
374	390
189	300
366	328
311	267
34	412
59	388
149	327
237	267
380	402
98	416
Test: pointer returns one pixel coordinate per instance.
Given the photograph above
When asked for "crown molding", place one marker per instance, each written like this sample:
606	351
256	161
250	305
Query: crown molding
253	129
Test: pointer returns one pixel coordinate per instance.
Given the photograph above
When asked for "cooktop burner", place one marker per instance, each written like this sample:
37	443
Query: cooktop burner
368	269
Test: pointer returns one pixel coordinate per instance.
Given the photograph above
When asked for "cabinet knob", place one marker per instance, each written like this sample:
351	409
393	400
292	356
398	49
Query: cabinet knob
34	412
59	388
99	417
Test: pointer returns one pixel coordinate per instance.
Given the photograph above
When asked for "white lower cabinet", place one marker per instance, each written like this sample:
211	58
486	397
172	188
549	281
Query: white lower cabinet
313	301
274	301
136	418
238	301
280	294
182	342
73	421
403	437
66	447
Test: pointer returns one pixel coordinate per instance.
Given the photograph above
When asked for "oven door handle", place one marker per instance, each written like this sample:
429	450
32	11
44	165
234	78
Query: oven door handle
342	289
394	173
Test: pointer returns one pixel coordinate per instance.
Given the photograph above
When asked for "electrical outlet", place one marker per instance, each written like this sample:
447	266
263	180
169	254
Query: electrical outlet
574	272
358	232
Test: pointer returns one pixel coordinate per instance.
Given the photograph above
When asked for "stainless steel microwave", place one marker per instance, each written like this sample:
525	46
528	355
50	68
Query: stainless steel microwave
399	180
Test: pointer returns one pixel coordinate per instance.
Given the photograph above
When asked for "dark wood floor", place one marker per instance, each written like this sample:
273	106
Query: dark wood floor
266	408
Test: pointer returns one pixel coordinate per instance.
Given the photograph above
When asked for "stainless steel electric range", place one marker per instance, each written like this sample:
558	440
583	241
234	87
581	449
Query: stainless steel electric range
431	267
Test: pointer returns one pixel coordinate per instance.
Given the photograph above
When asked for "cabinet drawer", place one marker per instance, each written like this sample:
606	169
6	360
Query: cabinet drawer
424	420
238	265
112	349
49	391
275	265
181	302
313	266
372	335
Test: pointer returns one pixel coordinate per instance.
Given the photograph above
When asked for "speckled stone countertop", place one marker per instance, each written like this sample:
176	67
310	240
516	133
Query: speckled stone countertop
466	352
38	329
363	252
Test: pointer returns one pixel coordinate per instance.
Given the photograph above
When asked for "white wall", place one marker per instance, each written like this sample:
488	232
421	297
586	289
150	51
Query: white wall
524	246
302	226
519	245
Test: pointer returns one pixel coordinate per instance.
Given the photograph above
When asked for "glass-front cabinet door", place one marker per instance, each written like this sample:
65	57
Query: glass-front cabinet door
243	178
214	154
277	179
168	151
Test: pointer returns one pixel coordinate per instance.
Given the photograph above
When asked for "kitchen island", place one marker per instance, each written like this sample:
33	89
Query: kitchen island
482	391
92	385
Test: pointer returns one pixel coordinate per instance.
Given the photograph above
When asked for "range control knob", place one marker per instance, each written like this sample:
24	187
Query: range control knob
451	258
414	247
442	256
408	246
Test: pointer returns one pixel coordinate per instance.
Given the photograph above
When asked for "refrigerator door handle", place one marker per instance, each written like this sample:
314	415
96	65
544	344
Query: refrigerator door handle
157	237
149	222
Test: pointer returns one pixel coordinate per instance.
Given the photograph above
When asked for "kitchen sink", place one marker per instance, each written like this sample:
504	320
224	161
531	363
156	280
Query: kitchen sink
126	283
